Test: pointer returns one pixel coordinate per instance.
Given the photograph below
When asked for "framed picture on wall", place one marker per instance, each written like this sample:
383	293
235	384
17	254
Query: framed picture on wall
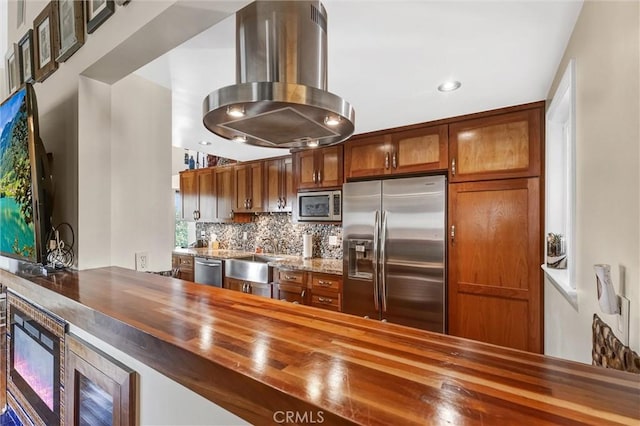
25	58
13	78
98	11
70	27
45	42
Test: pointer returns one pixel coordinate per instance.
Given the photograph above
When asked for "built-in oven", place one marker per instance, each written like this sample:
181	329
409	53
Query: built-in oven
319	206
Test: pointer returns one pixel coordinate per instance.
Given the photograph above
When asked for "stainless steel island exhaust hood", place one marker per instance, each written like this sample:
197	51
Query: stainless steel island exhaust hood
280	99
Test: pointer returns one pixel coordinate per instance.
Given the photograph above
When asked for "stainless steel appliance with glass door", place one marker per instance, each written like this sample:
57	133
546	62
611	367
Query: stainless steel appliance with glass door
394	250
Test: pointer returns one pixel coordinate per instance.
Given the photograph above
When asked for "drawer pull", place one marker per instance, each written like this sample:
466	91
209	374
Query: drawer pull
325	300
289	277
325	283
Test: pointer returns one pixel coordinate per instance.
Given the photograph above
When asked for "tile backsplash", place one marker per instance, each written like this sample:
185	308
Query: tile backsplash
275	229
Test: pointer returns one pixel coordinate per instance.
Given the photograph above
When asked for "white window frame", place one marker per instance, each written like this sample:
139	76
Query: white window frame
560	180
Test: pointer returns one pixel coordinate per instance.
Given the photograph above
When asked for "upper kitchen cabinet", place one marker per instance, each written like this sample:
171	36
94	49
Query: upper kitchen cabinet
318	168
197	192
224	189
278	184
496	147
189	195
248	187
411	151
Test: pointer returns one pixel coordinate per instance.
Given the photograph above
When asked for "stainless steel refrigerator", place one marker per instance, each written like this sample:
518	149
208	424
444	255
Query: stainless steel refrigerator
394	251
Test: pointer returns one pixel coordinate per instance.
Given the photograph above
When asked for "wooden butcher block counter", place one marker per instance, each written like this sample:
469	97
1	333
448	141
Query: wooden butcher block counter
257	357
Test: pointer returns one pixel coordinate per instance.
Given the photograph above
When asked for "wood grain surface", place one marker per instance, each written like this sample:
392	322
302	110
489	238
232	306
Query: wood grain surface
256	356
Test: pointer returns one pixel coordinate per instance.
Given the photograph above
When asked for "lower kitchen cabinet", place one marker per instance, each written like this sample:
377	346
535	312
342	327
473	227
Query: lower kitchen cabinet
291	285
182	264
495	283
309	288
249	287
326	291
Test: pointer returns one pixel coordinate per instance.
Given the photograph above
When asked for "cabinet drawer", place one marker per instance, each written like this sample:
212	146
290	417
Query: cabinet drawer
291	293
183	261
326	282
291	276
326	302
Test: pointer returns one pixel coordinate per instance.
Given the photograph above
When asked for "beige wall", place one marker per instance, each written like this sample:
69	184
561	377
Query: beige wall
606	46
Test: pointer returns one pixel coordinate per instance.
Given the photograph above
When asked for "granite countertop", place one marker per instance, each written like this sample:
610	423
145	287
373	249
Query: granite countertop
327	266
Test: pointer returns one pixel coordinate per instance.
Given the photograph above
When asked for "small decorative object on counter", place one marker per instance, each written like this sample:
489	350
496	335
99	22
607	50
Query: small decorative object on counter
192	163
556	251
186	157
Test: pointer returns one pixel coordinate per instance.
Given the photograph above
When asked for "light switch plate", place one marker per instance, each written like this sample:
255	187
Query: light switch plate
333	240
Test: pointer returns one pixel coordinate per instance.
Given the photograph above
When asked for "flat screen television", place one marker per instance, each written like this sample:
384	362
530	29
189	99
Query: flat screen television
25	183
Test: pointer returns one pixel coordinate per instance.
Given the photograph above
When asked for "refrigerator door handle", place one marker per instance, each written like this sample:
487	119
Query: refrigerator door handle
376	231
383	261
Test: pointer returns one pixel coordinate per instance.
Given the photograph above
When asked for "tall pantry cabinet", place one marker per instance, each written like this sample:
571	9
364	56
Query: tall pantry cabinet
494	218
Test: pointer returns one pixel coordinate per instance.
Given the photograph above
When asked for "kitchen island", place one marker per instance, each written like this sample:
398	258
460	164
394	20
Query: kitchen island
262	359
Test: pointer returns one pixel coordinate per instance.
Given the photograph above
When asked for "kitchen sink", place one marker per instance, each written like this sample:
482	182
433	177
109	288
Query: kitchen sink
250	268
259	258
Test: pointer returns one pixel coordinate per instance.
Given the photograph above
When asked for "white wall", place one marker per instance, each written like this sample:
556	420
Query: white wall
606	46
142	218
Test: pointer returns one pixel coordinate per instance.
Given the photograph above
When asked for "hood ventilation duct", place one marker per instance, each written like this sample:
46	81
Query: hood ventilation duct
280	99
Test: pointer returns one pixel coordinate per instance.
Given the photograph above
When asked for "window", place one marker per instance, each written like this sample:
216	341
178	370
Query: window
560	186
181	226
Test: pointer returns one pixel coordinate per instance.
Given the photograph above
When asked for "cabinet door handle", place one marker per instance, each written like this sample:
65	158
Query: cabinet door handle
325	300
304	292
394	163
284	202
279	203
324	283
319	176
453	233
386	160
453	167
194	215
250	203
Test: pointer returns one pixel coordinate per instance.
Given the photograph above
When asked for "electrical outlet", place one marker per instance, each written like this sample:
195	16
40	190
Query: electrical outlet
333	240
244	236
142	261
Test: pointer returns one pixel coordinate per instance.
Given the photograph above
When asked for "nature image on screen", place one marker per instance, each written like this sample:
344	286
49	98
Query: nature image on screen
17	232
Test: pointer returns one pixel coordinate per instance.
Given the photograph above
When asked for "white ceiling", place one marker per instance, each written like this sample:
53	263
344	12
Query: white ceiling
386	58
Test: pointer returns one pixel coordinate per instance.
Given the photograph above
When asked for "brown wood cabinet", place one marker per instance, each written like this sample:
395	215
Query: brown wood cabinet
326	291
183	263
248	187
318	168
278	184
410	151
224	184
206	195
189	195
496	147
495	285
249	287
291	285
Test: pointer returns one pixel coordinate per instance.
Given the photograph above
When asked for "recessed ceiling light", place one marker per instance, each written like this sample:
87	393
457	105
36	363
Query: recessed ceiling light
235	111
241	139
449	86
313	143
332	120
204	143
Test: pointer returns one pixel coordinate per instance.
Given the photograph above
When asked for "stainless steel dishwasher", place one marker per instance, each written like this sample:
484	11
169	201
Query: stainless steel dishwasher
208	271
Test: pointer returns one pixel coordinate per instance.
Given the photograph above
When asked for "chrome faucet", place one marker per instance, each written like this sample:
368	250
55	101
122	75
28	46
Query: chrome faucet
274	245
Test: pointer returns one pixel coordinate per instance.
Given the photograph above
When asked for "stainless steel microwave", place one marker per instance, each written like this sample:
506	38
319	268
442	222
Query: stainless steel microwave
319	206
